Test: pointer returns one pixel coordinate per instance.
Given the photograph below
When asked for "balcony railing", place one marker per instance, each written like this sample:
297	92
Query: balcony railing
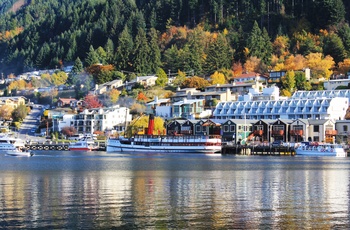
296	132
331	132
277	132
258	132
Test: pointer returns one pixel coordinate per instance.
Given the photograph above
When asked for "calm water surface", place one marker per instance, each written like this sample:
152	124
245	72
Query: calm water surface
96	190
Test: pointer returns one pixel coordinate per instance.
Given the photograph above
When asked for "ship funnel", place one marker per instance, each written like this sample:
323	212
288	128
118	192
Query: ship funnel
150	125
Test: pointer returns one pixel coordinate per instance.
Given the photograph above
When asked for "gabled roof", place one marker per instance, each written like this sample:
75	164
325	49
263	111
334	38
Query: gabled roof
66	100
317	122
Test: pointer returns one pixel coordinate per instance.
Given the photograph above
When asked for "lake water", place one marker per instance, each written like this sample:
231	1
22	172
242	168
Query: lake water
98	190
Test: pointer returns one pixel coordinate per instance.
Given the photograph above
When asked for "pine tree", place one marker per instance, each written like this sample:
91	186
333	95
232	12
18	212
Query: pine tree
92	57
124	50
219	55
78	66
141	53
154	51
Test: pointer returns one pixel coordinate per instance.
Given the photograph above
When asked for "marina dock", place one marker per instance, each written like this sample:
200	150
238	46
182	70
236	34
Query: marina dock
257	150
59	146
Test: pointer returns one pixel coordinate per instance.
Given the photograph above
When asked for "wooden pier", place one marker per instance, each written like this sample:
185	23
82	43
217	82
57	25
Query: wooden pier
257	150
46	146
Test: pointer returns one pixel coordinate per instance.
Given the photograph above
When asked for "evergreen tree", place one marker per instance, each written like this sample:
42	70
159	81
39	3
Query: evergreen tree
219	55
141	53
125	50
92	57
259	44
155	55
78	66
333	46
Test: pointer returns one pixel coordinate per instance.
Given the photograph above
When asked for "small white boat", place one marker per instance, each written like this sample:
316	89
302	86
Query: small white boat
82	145
320	149
19	153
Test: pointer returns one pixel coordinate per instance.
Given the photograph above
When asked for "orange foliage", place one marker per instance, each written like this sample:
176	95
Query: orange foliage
142	97
237	69
344	66
95	69
252	64
9	34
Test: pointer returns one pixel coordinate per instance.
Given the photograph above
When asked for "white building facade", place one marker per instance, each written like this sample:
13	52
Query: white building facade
302	105
101	119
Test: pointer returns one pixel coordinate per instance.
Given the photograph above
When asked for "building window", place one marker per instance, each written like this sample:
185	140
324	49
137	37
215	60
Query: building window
316	128
345	128
225	128
198	128
232	128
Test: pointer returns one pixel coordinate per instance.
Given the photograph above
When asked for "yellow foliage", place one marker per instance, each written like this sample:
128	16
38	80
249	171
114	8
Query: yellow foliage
225	31
252	64
281	45
279	67
217	78
344	66
286	93
114	95
320	67
246	51
13	85
6	112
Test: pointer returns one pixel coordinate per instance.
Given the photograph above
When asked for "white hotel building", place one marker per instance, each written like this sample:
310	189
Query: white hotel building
329	104
91	120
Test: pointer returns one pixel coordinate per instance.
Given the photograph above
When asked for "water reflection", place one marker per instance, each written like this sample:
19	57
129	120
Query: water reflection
155	191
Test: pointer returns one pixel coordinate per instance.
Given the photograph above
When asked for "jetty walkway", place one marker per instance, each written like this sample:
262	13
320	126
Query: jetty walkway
59	146
266	150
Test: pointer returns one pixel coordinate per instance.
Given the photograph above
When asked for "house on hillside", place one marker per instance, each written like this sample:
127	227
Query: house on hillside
66	102
249	77
14	102
108	86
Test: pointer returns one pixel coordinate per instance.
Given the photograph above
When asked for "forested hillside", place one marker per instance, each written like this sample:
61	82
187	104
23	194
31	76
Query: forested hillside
194	36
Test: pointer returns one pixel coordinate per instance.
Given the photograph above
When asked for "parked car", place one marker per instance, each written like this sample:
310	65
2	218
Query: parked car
277	143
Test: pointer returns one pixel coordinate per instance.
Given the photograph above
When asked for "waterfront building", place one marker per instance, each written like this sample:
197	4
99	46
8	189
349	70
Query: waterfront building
343	131
160	107
236	130
101	119
302	105
190	109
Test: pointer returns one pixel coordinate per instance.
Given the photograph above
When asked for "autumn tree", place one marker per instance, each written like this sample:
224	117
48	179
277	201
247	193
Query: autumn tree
179	79
217	78
68	131
288	81
19	113
237	69
253	64
59	78
92	102
162	79
320	67
114	95
139	124
141	97
6	112
195	82
281	46
344	66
